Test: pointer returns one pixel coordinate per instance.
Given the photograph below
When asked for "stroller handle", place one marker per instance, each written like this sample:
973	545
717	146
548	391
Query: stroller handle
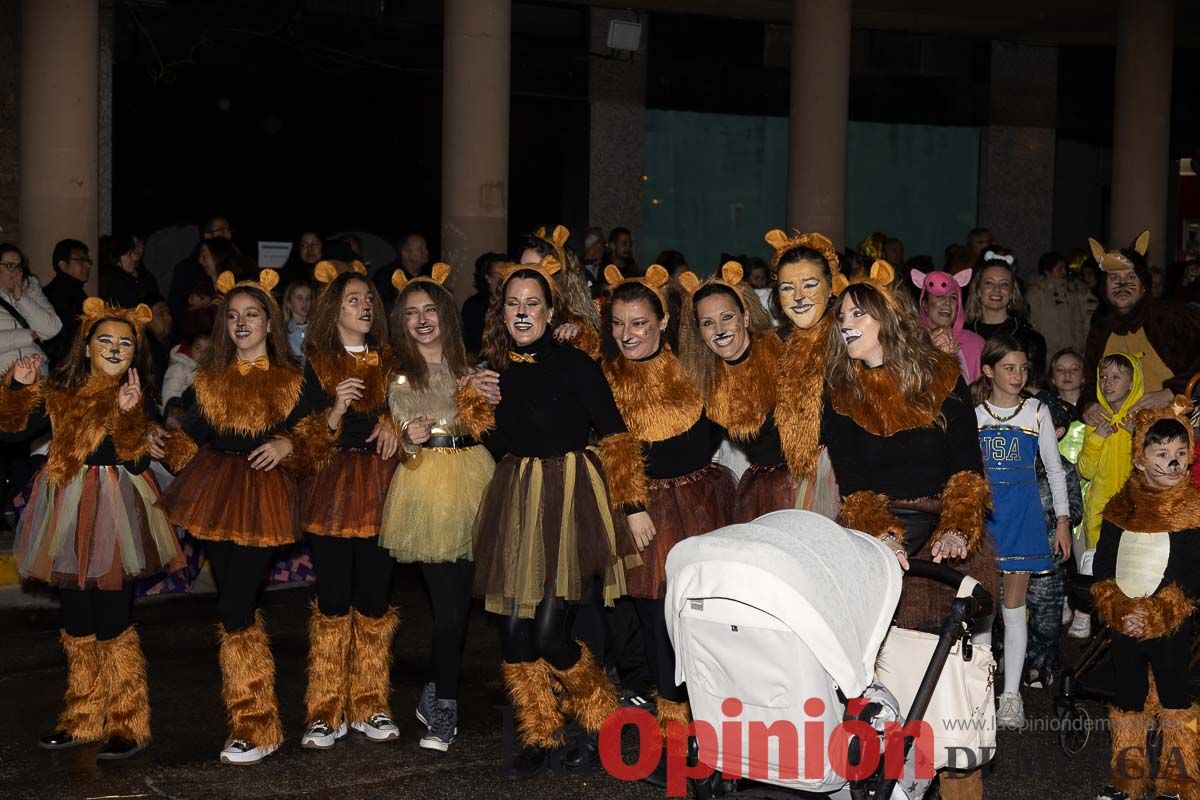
948	576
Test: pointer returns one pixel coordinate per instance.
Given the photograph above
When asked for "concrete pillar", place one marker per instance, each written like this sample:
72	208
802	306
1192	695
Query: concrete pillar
475	114
60	71
1142	124
617	152
820	103
1016	169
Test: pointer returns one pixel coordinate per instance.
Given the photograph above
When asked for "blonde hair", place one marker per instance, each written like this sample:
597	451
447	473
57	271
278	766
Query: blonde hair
290	292
1017	307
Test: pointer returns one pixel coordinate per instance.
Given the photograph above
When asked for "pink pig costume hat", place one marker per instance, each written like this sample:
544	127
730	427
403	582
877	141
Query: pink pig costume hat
940	284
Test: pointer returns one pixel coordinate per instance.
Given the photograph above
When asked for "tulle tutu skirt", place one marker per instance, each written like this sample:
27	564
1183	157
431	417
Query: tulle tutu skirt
689	505
763	489
219	497
819	492
430	511
100	529
546	522
346	497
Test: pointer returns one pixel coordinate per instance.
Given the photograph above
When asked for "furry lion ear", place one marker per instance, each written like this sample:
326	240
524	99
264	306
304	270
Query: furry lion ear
777	239
689	281
358	266
1142	243
94	307
399	280
1097	249
656	276
225	282
440	272
560	235
540	232
142	314
551	265
882	273
821	241
731	273
1181	405
613	276
839	284
325	272
268	279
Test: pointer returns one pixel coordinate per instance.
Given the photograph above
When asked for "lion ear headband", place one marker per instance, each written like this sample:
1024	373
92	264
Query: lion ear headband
438	275
325	271
95	309
557	239
656	280
1115	260
880	276
268	279
548	267
729	275
781	242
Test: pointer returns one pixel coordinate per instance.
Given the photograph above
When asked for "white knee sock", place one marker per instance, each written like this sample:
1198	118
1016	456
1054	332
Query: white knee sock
1016	639
983	630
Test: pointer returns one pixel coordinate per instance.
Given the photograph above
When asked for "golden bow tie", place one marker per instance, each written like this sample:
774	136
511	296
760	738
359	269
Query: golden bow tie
262	362
522	358
371	359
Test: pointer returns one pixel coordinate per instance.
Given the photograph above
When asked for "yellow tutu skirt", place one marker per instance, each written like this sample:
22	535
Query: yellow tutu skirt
430	510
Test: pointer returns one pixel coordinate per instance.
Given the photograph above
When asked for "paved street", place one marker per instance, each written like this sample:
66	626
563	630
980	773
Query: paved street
188	722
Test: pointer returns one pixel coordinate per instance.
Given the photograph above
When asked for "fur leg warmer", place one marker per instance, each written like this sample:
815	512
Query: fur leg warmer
592	694
328	668
670	711
248	686
83	705
1179	764
371	664
1130	767
123	681
530	686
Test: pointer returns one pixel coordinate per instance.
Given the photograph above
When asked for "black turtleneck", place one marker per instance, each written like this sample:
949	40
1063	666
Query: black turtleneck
764	449
549	408
683	454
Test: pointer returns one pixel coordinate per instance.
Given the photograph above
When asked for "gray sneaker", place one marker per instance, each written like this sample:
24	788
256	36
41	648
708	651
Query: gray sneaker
426	703
443	726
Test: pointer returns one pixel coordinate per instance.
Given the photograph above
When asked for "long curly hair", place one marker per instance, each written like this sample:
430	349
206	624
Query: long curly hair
74	371
572	280
224	351
323	336
908	352
632	292
497	341
698	359
409	360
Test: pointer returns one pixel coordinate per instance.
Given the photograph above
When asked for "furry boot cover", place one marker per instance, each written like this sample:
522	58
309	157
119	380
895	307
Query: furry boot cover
1179	764
123	681
371	664
248	686
592	694
1130	768
83	704
328	668
530	686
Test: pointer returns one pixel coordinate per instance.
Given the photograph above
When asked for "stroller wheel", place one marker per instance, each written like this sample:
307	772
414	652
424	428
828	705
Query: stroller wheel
1074	728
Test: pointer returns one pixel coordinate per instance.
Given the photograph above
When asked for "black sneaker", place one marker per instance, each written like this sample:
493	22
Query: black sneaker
426	703
117	748
443	726
529	762
1111	792
582	755
631	699
61	740
1038	678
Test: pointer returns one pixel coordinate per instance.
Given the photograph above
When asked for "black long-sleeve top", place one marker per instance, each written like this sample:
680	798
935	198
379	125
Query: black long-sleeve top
911	463
318	395
1183	563
550	407
683	454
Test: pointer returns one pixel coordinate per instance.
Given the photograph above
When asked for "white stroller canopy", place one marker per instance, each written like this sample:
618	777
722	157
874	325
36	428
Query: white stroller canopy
834	588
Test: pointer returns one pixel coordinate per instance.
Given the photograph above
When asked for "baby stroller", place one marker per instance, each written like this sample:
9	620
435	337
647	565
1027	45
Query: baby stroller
788	614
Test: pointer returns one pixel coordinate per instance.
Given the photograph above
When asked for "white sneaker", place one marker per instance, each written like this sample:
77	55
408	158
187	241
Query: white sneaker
379	728
1081	626
242	753
1068	614
1011	713
322	736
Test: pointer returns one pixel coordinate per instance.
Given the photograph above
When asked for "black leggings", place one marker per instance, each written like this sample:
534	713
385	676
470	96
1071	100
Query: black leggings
351	573
659	652
104	614
449	584
548	635
239	572
1168	656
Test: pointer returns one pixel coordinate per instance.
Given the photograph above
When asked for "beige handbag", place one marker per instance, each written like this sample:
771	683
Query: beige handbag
962	712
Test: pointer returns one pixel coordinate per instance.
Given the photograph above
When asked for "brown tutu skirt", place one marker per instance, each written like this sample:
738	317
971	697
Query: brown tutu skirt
546	523
925	604
99	530
689	505
763	489
219	497
346	497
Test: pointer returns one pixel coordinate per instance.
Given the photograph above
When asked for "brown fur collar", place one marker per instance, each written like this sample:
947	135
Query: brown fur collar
745	393
248	404
81	420
1139	508
801	378
655	398
333	368
883	410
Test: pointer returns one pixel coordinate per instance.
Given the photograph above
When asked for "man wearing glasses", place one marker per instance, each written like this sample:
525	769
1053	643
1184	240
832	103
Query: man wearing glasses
67	291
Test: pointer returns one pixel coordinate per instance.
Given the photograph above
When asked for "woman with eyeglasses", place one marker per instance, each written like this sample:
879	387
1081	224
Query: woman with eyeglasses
26	317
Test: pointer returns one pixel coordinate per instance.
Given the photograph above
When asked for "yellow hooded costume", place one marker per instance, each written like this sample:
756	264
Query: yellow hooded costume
1107	461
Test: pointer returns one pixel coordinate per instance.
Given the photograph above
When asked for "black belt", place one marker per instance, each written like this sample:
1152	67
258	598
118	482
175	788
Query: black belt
451	442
